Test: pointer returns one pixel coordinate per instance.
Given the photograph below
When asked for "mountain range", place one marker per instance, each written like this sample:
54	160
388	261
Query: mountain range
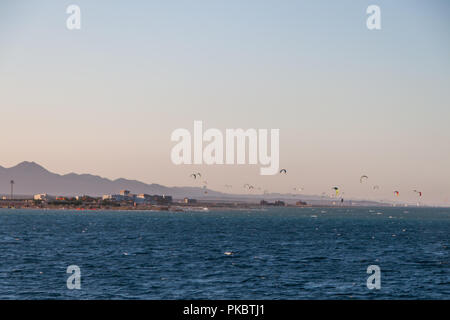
31	178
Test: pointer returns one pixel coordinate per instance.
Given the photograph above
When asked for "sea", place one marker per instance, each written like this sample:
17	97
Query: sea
278	253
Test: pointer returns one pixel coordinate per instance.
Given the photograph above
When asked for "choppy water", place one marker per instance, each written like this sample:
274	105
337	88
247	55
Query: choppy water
282	253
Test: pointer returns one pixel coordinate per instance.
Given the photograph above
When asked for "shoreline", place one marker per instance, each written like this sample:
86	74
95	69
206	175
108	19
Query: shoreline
201	207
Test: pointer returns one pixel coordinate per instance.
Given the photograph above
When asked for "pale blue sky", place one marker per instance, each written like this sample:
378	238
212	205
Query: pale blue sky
348	101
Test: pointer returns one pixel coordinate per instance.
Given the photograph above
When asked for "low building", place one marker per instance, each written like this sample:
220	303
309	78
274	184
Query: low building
277	203
124	193
163	199
85	198
113	197
41	197
144	198
189	201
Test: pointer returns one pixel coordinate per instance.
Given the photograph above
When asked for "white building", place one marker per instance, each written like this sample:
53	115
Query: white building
124	193
113	197
41	196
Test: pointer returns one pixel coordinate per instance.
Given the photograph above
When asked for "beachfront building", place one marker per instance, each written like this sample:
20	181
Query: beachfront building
153	199
85	198
41	197
144	198
189	201
113	197
163	200
277	203
124	193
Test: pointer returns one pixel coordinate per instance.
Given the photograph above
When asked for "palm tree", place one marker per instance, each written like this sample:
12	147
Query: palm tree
12	188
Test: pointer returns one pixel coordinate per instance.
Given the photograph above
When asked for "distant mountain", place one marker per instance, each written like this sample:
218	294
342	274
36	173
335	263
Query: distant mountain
31	178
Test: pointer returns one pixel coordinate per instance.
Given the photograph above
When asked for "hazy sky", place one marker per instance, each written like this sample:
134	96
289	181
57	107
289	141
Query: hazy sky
348	101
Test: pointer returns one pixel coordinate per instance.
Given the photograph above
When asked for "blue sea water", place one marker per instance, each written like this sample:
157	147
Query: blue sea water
280	253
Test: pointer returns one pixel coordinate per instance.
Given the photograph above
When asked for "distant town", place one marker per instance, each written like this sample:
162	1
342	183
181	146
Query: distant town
125	200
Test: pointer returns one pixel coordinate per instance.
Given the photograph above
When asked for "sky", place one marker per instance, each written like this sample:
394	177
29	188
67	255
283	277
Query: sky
348	101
